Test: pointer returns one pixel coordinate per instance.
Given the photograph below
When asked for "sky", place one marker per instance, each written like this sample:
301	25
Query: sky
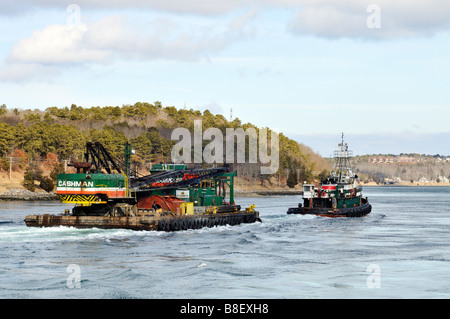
376	70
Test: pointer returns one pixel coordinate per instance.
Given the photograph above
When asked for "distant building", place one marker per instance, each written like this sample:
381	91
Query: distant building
405	159
391	159
443	179
381	160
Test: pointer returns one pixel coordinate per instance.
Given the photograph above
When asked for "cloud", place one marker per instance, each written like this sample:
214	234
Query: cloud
100	41
57	44
170	37
323	18
115	37
355	18
202	7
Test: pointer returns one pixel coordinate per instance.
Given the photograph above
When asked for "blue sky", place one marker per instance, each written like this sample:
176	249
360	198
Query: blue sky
309	69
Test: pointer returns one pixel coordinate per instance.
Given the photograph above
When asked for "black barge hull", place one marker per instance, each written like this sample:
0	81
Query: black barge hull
359	211
167	223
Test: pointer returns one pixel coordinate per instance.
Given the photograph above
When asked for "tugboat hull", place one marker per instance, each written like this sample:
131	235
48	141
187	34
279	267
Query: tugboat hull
359	211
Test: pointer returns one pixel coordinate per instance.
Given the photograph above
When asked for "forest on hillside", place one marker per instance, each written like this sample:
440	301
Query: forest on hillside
59	134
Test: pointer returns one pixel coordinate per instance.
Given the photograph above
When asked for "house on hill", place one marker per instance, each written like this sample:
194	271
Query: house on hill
381	160
424	180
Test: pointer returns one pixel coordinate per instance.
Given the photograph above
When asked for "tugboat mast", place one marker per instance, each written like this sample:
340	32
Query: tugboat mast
342	170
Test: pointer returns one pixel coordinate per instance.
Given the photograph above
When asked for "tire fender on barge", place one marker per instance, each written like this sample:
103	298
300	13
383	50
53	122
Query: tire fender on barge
166	223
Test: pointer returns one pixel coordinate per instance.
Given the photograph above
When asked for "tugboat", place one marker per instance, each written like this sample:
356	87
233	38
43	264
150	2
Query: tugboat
339	195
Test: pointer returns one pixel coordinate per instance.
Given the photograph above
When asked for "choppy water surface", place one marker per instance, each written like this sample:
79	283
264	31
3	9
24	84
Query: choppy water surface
400	250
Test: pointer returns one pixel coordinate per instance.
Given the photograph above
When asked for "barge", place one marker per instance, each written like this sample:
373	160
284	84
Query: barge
107	194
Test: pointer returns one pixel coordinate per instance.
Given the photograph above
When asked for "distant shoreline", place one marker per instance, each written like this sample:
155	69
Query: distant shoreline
266	192
408	184
248	192
26	195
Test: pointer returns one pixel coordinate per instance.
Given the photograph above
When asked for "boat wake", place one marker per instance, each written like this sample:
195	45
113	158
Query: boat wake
60	233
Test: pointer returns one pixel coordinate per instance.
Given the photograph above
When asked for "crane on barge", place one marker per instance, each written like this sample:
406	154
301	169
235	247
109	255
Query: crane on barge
107	193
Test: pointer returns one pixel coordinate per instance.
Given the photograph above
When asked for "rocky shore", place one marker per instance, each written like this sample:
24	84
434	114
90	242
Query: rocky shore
17	194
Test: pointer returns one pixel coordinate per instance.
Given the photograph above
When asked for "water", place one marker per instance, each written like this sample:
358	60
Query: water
400	250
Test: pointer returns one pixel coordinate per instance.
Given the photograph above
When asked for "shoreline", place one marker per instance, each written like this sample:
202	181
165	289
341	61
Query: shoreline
26	195
17	194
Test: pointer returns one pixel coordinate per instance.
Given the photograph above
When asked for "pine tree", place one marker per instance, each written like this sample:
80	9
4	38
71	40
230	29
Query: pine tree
292	179
28	181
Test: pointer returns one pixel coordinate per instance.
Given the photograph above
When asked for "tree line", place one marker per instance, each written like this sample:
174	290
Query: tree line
64	131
